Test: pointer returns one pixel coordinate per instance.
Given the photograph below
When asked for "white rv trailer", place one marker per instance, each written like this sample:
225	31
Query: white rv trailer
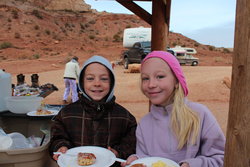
188	50
133	35
183	57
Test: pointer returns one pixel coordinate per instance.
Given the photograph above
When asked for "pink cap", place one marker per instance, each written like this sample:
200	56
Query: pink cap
173	64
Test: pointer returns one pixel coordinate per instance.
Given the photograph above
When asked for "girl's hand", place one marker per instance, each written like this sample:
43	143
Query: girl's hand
62	149
114	151
185	164
129	160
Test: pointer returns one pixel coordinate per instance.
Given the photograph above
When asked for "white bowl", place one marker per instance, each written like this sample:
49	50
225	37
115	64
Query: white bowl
23	104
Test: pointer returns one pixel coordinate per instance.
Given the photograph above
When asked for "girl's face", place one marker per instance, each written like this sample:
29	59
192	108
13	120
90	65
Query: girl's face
157	81
96	81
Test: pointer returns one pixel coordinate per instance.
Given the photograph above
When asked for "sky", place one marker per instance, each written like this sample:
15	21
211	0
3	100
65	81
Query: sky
208	22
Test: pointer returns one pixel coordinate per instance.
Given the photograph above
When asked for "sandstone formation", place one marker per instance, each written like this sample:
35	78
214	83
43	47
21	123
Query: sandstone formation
70	5
74	5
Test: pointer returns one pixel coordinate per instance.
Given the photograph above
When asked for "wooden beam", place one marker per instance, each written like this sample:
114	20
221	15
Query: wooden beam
168	9
136	9
160	24
237	152
135	0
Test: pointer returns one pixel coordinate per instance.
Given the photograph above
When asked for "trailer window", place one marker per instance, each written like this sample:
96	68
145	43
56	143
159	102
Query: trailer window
180	54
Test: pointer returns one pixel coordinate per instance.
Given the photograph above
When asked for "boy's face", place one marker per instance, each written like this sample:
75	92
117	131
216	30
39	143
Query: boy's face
96	81
157	81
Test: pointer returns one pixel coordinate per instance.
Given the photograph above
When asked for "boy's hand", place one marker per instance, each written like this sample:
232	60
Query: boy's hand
114	151
62	149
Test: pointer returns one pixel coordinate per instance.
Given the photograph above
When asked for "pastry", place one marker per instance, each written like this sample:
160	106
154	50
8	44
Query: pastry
85	159
138	165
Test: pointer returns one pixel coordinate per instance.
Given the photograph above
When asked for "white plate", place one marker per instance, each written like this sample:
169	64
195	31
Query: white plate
104	157
33	113
148	161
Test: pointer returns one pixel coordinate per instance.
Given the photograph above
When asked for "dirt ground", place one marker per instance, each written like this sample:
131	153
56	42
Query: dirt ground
205	85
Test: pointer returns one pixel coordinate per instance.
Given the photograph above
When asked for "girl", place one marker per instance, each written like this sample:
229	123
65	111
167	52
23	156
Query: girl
175	128
95	119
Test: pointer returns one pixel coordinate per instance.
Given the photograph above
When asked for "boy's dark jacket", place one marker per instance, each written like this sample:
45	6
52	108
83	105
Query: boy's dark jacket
90	123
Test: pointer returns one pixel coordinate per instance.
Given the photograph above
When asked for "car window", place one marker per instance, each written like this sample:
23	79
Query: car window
137	45
146	44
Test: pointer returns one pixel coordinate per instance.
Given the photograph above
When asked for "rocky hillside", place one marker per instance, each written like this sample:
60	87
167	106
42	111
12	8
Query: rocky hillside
31	32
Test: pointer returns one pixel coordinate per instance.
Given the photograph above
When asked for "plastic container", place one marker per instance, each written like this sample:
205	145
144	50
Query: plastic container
25	157
5	89
31	157
19	141
5	140
23	104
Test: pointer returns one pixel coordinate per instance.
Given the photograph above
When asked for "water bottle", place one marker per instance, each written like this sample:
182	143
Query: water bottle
5	89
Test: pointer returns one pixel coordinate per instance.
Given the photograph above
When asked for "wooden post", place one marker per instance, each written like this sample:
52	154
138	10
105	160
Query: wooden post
237	153
159	24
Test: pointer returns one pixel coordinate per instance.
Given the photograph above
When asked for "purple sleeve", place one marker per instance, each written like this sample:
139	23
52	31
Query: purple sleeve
140	144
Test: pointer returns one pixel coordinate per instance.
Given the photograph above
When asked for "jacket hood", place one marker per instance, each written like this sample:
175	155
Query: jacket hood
108	65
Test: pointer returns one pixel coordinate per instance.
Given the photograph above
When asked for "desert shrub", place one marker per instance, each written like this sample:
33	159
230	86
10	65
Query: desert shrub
47	49
183	45
117	38
37	14
47	32
36	56
92	22
3	58
5	45
86	25
218	59
23	57
17	35
211	48
82	26
128	26
56	37
66	25
196	44
14	14
56	23
91	36
9	20
225	50
174	43
36	27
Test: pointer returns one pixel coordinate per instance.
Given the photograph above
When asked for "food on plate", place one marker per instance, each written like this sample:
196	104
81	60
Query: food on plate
43	112
159	164
138	165
85	159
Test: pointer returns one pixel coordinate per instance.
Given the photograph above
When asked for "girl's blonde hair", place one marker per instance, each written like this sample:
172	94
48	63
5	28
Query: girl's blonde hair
184	121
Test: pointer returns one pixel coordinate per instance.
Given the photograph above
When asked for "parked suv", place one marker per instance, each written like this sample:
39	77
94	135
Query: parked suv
136	54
